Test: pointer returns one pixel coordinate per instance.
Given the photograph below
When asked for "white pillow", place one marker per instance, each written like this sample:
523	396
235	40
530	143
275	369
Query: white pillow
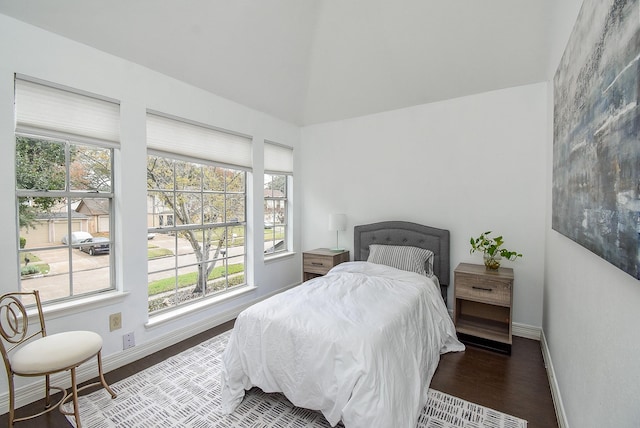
412	259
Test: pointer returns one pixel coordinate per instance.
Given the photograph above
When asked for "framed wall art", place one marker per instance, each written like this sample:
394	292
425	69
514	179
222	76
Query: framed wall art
596	147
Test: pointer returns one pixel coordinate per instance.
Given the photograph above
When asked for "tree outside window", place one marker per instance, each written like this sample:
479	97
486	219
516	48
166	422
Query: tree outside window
199	232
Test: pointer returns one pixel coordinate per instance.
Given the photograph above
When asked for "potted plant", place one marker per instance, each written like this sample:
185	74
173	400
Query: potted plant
491	249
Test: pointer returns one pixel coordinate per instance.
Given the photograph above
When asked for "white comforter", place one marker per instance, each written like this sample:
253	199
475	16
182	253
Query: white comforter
360	345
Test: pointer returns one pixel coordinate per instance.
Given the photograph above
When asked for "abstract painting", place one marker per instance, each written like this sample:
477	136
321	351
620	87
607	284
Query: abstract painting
596	147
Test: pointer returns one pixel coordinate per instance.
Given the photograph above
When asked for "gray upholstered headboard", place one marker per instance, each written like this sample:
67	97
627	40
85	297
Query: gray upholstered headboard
406	233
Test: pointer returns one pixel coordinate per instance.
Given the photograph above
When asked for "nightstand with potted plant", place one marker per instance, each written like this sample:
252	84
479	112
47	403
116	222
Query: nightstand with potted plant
483	301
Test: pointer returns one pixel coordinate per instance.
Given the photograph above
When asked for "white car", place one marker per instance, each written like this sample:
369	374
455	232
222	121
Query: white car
76	237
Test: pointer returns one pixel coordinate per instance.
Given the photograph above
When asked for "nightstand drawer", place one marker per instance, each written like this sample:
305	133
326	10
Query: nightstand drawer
320	261
317	264
483	289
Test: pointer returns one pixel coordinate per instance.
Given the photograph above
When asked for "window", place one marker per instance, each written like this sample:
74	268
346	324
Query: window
196	212
275	213
278	162
64	148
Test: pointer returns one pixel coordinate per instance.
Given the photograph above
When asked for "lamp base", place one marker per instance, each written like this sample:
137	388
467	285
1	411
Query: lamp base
336	250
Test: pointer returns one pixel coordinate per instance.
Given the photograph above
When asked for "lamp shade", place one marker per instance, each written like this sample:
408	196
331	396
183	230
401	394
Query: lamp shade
338	222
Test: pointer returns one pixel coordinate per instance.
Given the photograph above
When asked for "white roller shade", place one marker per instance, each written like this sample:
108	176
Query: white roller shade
278	158
197	141
43	109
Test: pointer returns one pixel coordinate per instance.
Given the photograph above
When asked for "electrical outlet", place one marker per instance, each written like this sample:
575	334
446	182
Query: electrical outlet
128	341
115	321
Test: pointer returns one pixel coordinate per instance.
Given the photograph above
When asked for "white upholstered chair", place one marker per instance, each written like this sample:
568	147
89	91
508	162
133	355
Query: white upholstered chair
28	351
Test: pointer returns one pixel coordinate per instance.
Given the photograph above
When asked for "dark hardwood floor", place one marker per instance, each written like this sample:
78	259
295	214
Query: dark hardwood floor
515	384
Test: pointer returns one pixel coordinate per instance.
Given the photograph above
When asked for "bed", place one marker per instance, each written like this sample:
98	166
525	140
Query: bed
359	344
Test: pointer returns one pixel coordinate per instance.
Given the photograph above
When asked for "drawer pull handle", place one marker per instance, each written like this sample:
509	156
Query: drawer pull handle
316	263
481	288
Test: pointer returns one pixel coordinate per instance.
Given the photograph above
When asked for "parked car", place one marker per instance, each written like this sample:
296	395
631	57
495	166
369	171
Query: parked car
76	237
95	246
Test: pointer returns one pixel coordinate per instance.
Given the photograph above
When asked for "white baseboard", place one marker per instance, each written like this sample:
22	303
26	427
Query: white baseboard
553	384
35	391
526	331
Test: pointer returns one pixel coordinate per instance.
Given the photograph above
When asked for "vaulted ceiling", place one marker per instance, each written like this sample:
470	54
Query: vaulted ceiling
311	61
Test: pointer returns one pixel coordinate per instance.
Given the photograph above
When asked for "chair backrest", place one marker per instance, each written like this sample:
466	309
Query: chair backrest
14	322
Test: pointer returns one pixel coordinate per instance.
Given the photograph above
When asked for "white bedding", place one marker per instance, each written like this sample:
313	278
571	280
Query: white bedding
360	345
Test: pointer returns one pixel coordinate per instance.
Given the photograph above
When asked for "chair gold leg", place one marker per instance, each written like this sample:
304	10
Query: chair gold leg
74	391
47	386
12	401
102	381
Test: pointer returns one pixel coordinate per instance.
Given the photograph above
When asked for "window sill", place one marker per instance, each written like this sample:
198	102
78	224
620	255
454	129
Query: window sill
279	256
193	308
82	304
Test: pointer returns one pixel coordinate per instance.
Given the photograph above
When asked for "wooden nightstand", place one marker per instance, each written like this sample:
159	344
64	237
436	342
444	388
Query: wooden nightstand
318	262
482	311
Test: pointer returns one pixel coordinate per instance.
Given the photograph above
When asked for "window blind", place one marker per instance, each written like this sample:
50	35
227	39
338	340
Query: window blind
55	112
198	141
278	158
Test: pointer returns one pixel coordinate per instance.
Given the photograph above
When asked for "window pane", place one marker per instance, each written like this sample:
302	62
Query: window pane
90	168
189	247
189	208
159	250
280	212
44	221
218	241
159	173
236	181
159	211
213	178
235	208
237	239
269	213
47	271
275	185
213	208
278	233
91	273
95	216
269	239
40	164
51	287
188	176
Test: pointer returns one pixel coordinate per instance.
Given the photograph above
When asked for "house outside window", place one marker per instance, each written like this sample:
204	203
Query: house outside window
64	148
197	214
278	177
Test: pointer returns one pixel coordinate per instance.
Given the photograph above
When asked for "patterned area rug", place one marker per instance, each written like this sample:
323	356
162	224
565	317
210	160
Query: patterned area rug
184	391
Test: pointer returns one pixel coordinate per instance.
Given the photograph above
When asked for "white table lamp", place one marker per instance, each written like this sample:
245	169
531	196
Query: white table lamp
337	222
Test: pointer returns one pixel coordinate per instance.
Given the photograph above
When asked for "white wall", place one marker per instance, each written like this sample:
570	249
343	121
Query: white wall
469	165
591	309
31	51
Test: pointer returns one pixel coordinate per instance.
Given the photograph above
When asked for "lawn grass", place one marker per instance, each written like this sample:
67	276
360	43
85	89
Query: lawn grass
153	252
189	279
34	267
32	257
42	268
